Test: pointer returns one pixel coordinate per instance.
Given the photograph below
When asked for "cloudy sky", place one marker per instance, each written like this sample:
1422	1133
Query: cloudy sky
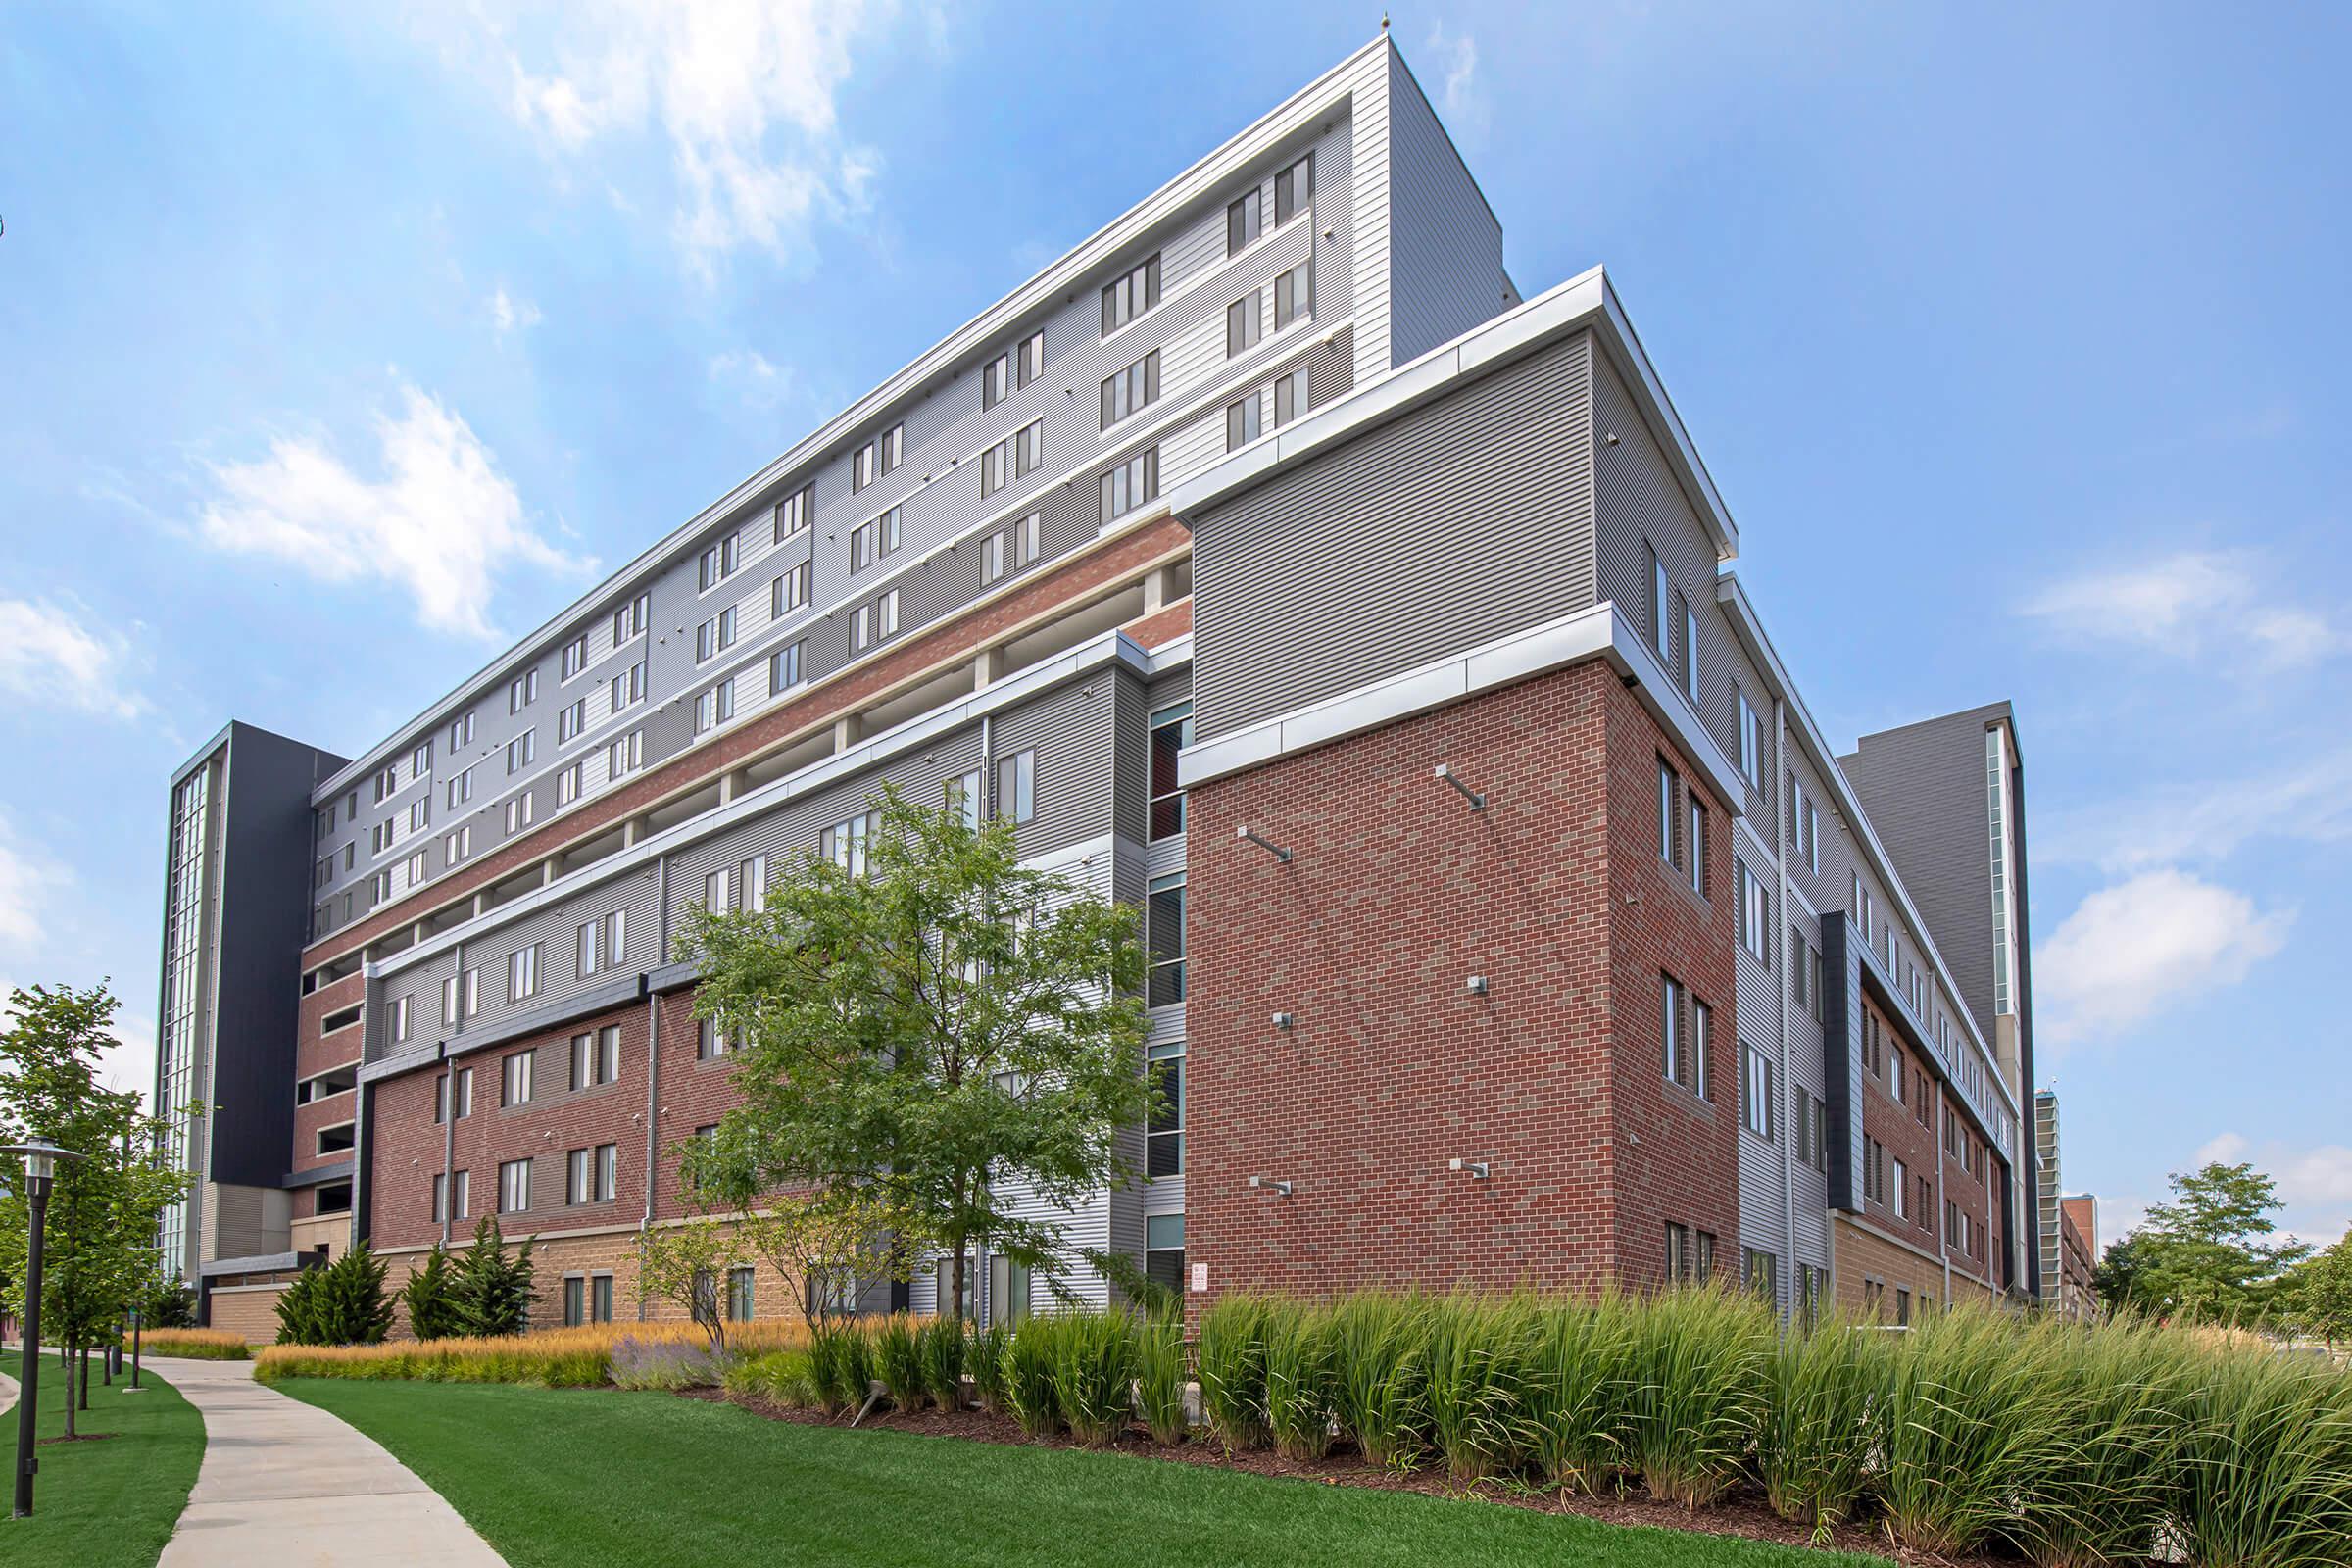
341	347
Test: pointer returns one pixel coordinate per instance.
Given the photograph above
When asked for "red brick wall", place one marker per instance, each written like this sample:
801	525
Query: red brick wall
1397	892
308	1119
1678	1157
1896	1123
315	1054
921	653
694	1093
403	1154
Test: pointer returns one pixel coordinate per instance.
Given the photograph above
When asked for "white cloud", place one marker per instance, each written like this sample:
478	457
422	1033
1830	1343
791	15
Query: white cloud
2188	605
2307	803
745	92
2315	1184
1461	102
511	315
30	889
60	654
2161	937
440	521
750	377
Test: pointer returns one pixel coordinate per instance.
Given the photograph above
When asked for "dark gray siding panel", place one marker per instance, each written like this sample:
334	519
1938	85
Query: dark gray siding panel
1071	732
1469	522
1446	258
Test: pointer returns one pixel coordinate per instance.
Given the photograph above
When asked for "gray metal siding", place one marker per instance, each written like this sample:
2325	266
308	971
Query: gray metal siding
1445	271
1471	520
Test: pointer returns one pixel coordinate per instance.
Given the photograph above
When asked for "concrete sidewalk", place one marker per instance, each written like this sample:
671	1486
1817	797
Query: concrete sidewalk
284	1484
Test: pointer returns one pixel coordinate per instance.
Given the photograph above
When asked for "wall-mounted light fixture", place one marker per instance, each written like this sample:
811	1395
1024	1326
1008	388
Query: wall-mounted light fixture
1263	843
1478	985
1267	1184
1282	1020
1476	1169
1445	775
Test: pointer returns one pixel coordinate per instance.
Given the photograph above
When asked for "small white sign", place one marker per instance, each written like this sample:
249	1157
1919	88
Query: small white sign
1199	1275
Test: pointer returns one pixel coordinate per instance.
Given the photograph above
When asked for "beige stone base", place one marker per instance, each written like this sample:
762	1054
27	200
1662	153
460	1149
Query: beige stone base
586	1255
1874	1273
248	1310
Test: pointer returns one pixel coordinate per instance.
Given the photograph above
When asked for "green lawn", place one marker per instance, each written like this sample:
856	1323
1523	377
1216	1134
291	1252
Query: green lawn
97	1505
563	1477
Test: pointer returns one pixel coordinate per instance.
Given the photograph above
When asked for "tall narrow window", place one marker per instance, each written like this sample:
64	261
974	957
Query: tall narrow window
1670	1022
1661	628
1244	221
1130	296
789	592
784	667
1171	733
1016	787
1689	653
1163	920
515	1187
1244	421
1242	324
1293	296
1164	1140
1699	846
1756	1095
795	513
1289	398
1293	190
1666	798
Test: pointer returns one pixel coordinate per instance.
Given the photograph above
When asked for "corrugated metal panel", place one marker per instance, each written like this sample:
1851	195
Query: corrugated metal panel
1433	534
1369	220
1071	731
1445	271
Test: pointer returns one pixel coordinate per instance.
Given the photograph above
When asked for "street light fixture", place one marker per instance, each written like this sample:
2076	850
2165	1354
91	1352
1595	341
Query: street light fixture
40	1169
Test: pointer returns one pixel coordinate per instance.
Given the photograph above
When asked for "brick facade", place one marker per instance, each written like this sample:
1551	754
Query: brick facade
1397	893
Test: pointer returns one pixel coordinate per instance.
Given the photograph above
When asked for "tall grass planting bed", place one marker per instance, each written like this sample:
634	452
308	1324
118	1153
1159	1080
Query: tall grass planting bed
190	1344
639	1355
1971	1436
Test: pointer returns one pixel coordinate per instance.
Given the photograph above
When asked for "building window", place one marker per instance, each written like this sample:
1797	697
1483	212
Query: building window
576	660
714	707
515	1187
1751	742
575	1301
844	842
1163	919
603	944
460	732
592	1175
1133	389
1667	782
523	689
440	1199
1016	787
1029	359
878	457
1243	325
1682	1259
751	881
1243	422
1289	398
875	538
1245	221
570	721
441	1100
1164	1140
1130	296
995	380
1164	1252
1131	484
420	761
1661	629
1758	1097
1293	296
520	811
460	791
710	1043
1756	914
625	756
632	620
796	513
1171	733
963	800
1293	190
1689	653
1699	846
739	1294
569	782
1018	454
789	592
522	751
784	667
596	1057
717	564
1761	1271
514	1078
628	687
522	973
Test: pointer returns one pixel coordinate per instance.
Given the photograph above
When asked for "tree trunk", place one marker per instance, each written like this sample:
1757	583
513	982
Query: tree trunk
956	1274
68	1353
85	1377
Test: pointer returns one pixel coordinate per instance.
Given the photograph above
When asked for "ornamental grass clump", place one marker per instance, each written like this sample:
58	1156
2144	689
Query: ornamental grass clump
1693	1396
985	1357
1299	1381
1231	1357
1160	1375
1573	1399
2265	1475
194	1345
841	1367
1379	1376
1476	1358
1969	1421
666	1364
1094	1374
2110	1393
1029	1367
940	1346
1823	1406
898	1360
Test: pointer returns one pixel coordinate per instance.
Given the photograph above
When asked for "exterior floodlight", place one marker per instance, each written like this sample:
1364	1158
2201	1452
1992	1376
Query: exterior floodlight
1476	1168
1282	1020
1478	985
1266	844
1267	1184
1445	775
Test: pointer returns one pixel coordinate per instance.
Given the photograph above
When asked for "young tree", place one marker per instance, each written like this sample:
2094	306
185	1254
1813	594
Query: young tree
687	1263
2320	1292
351	1308
827	1241
2207	1254
104	1209
930	1032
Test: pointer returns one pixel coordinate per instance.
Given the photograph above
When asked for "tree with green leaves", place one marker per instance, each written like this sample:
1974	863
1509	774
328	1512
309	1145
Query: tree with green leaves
342	1303
491	1290
2207	1256
937	1032
430	1297
104	1209
2318	1293
687	1264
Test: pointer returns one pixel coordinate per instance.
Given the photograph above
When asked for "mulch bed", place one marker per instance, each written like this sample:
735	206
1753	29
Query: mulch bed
1743	1513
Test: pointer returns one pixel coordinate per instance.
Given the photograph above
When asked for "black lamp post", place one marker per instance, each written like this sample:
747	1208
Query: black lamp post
41	1166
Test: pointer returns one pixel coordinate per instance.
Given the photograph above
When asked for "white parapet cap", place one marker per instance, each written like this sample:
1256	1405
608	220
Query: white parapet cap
1583	303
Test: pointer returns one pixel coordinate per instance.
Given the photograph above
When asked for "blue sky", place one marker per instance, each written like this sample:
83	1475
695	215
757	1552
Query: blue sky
341	347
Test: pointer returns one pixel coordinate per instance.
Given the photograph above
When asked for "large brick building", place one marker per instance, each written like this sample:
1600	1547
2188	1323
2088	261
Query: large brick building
1371	628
